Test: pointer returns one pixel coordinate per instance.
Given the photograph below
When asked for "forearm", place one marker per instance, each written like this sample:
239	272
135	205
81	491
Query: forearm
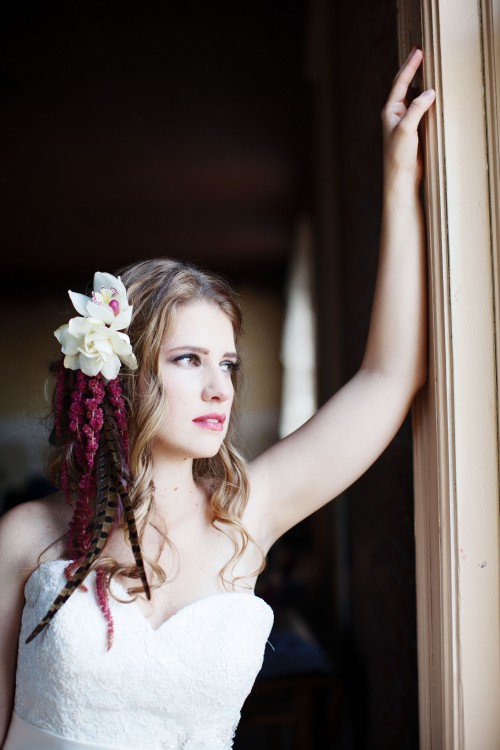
397	339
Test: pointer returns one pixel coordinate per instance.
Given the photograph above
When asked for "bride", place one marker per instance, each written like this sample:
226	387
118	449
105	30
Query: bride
128	615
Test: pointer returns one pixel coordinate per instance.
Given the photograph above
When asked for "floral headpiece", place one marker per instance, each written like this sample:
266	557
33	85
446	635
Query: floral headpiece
96	429
94	343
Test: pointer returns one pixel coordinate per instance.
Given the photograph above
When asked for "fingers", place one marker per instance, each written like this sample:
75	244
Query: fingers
409	56
417	109
404	77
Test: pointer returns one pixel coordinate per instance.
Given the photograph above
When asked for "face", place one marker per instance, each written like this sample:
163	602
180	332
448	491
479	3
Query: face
197	363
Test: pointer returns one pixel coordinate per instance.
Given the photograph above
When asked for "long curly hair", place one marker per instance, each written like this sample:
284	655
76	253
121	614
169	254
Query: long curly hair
156	289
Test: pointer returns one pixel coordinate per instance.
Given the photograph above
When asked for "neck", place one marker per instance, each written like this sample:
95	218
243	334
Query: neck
175	488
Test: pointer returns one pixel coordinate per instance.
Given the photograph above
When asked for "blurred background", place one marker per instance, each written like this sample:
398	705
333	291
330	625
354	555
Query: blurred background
244	137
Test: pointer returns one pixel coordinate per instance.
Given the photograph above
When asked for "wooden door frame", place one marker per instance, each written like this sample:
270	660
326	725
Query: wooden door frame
456	424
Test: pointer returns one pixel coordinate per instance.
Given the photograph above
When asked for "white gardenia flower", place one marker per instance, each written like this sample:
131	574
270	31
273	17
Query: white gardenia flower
108	302
94	343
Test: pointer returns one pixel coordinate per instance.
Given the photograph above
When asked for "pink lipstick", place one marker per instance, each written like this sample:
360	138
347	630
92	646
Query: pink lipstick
211	421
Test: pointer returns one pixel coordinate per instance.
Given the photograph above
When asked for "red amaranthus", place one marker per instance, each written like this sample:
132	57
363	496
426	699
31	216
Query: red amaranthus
85	429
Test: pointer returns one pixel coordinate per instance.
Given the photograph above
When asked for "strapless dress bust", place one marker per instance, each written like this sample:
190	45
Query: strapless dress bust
179	687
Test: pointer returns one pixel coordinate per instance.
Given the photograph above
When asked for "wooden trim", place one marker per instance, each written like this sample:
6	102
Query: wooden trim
456	418
491	61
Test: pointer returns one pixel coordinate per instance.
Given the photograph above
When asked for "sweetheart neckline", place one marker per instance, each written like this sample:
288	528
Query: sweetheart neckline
143	617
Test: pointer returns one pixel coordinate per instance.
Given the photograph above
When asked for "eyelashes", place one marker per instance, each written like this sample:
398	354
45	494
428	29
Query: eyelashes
187	359
230	365
190	359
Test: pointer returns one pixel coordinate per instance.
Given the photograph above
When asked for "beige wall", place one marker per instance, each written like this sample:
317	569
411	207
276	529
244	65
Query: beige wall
260	350
30	346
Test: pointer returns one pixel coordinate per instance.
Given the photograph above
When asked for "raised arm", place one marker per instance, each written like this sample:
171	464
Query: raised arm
327	454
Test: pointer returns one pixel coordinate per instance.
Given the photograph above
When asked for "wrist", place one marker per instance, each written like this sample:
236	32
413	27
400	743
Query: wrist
402	183
407	169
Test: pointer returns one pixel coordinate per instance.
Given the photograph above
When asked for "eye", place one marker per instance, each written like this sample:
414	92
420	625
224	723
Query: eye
187	359
230	366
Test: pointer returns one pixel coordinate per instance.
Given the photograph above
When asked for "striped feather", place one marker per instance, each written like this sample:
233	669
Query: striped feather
112	489
119	477
104	521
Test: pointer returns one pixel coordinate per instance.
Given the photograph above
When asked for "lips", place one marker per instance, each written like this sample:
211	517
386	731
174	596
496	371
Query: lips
211	421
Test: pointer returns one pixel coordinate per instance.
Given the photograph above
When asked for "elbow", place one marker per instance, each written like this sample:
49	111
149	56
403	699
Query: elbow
421	375
406	385
414	382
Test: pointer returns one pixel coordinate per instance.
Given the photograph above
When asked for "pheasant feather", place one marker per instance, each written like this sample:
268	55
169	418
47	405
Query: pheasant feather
104	520
119	479
112	490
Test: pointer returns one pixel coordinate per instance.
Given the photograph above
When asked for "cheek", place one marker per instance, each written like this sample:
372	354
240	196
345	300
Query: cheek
176	386
178	402
230	403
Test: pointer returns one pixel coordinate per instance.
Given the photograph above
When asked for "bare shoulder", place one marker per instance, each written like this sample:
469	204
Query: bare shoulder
27	535
31	530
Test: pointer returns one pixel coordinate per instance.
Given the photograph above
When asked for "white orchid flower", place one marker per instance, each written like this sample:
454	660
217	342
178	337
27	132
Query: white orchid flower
108	302
94	343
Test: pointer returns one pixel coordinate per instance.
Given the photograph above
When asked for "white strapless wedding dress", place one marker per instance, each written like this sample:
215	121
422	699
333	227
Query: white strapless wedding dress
180	686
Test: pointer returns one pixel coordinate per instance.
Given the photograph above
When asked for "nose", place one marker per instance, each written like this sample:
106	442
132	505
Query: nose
218	386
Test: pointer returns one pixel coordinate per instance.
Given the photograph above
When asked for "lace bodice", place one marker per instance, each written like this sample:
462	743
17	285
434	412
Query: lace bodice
179	686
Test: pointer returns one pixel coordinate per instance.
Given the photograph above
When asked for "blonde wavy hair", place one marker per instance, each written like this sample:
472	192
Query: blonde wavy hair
157	289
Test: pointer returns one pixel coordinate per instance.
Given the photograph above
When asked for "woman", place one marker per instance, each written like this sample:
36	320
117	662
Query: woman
164	511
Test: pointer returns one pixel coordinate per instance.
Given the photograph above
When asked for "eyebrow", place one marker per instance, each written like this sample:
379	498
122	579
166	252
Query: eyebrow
201	350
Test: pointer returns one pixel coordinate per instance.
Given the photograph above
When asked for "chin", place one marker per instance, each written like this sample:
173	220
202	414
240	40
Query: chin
189	449
199	452
209	453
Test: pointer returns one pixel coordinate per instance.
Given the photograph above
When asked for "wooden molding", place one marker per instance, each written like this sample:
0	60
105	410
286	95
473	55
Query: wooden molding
456	423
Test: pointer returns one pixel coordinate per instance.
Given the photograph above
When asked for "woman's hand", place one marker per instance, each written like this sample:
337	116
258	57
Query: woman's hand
400	120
